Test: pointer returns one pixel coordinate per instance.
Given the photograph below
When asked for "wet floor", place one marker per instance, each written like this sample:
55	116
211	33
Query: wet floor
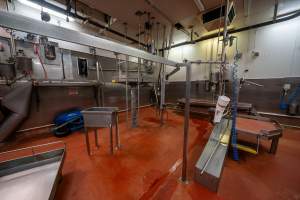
148	165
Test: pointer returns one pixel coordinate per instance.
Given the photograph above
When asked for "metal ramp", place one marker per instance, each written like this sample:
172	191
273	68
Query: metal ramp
208	169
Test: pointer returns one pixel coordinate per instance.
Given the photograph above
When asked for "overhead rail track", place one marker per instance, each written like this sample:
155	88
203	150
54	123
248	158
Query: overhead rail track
29	25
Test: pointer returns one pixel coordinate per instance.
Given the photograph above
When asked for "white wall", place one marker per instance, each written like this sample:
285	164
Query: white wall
278	45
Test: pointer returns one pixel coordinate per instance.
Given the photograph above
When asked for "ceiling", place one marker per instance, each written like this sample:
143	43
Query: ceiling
173	11
176	10
209	4
184	11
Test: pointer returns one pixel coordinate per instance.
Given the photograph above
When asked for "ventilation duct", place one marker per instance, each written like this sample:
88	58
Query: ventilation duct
214	18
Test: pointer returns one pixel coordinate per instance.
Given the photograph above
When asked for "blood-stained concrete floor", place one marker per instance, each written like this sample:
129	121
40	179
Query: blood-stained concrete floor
148	165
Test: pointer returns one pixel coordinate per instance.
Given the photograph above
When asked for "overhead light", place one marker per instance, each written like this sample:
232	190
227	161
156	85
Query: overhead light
51	12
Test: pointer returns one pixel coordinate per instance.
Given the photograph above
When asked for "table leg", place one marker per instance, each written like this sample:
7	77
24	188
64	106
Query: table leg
274	145
111	139
117	132
87	141
257	147
96	138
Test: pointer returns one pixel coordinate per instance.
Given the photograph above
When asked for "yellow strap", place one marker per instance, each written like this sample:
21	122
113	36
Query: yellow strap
247	149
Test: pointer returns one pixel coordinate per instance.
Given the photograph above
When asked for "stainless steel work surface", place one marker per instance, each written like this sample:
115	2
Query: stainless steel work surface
32	184
101	110
99	116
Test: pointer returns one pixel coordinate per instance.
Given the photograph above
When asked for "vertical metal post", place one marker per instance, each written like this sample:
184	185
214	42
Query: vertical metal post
211	70
223	49
118	67
98	83
102	95
12	45
170	41
100	87
186	123
96	138
162	94
96	94
133	91
111	139
126	82
87	141
275	10
139	31
97	70
117	130
138	90
62	63
157	36
126	90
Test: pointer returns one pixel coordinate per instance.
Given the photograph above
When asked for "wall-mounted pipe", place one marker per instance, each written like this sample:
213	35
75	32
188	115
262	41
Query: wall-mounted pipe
15	106
231	31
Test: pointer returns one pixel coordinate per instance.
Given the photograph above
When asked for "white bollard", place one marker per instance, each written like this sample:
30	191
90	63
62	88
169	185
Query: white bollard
220	107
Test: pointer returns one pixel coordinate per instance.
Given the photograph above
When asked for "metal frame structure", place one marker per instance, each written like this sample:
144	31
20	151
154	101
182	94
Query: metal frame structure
126	90
101	117
25	24
273	135
138	88
29	25
188	65
162	93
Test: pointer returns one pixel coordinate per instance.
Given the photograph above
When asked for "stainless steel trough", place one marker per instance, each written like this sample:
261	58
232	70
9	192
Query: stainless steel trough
33	177
209	167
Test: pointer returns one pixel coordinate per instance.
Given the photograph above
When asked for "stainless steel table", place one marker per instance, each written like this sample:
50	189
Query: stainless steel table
101	117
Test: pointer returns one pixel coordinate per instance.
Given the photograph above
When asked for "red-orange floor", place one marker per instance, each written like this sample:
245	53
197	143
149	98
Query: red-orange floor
148	166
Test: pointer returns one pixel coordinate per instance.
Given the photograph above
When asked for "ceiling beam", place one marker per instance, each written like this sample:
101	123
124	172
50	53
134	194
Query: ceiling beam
29	25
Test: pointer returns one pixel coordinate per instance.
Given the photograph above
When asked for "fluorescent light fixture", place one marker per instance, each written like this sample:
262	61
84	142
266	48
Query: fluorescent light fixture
39	7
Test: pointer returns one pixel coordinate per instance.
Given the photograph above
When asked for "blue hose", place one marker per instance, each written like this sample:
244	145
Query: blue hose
284	105
234	105
294	95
